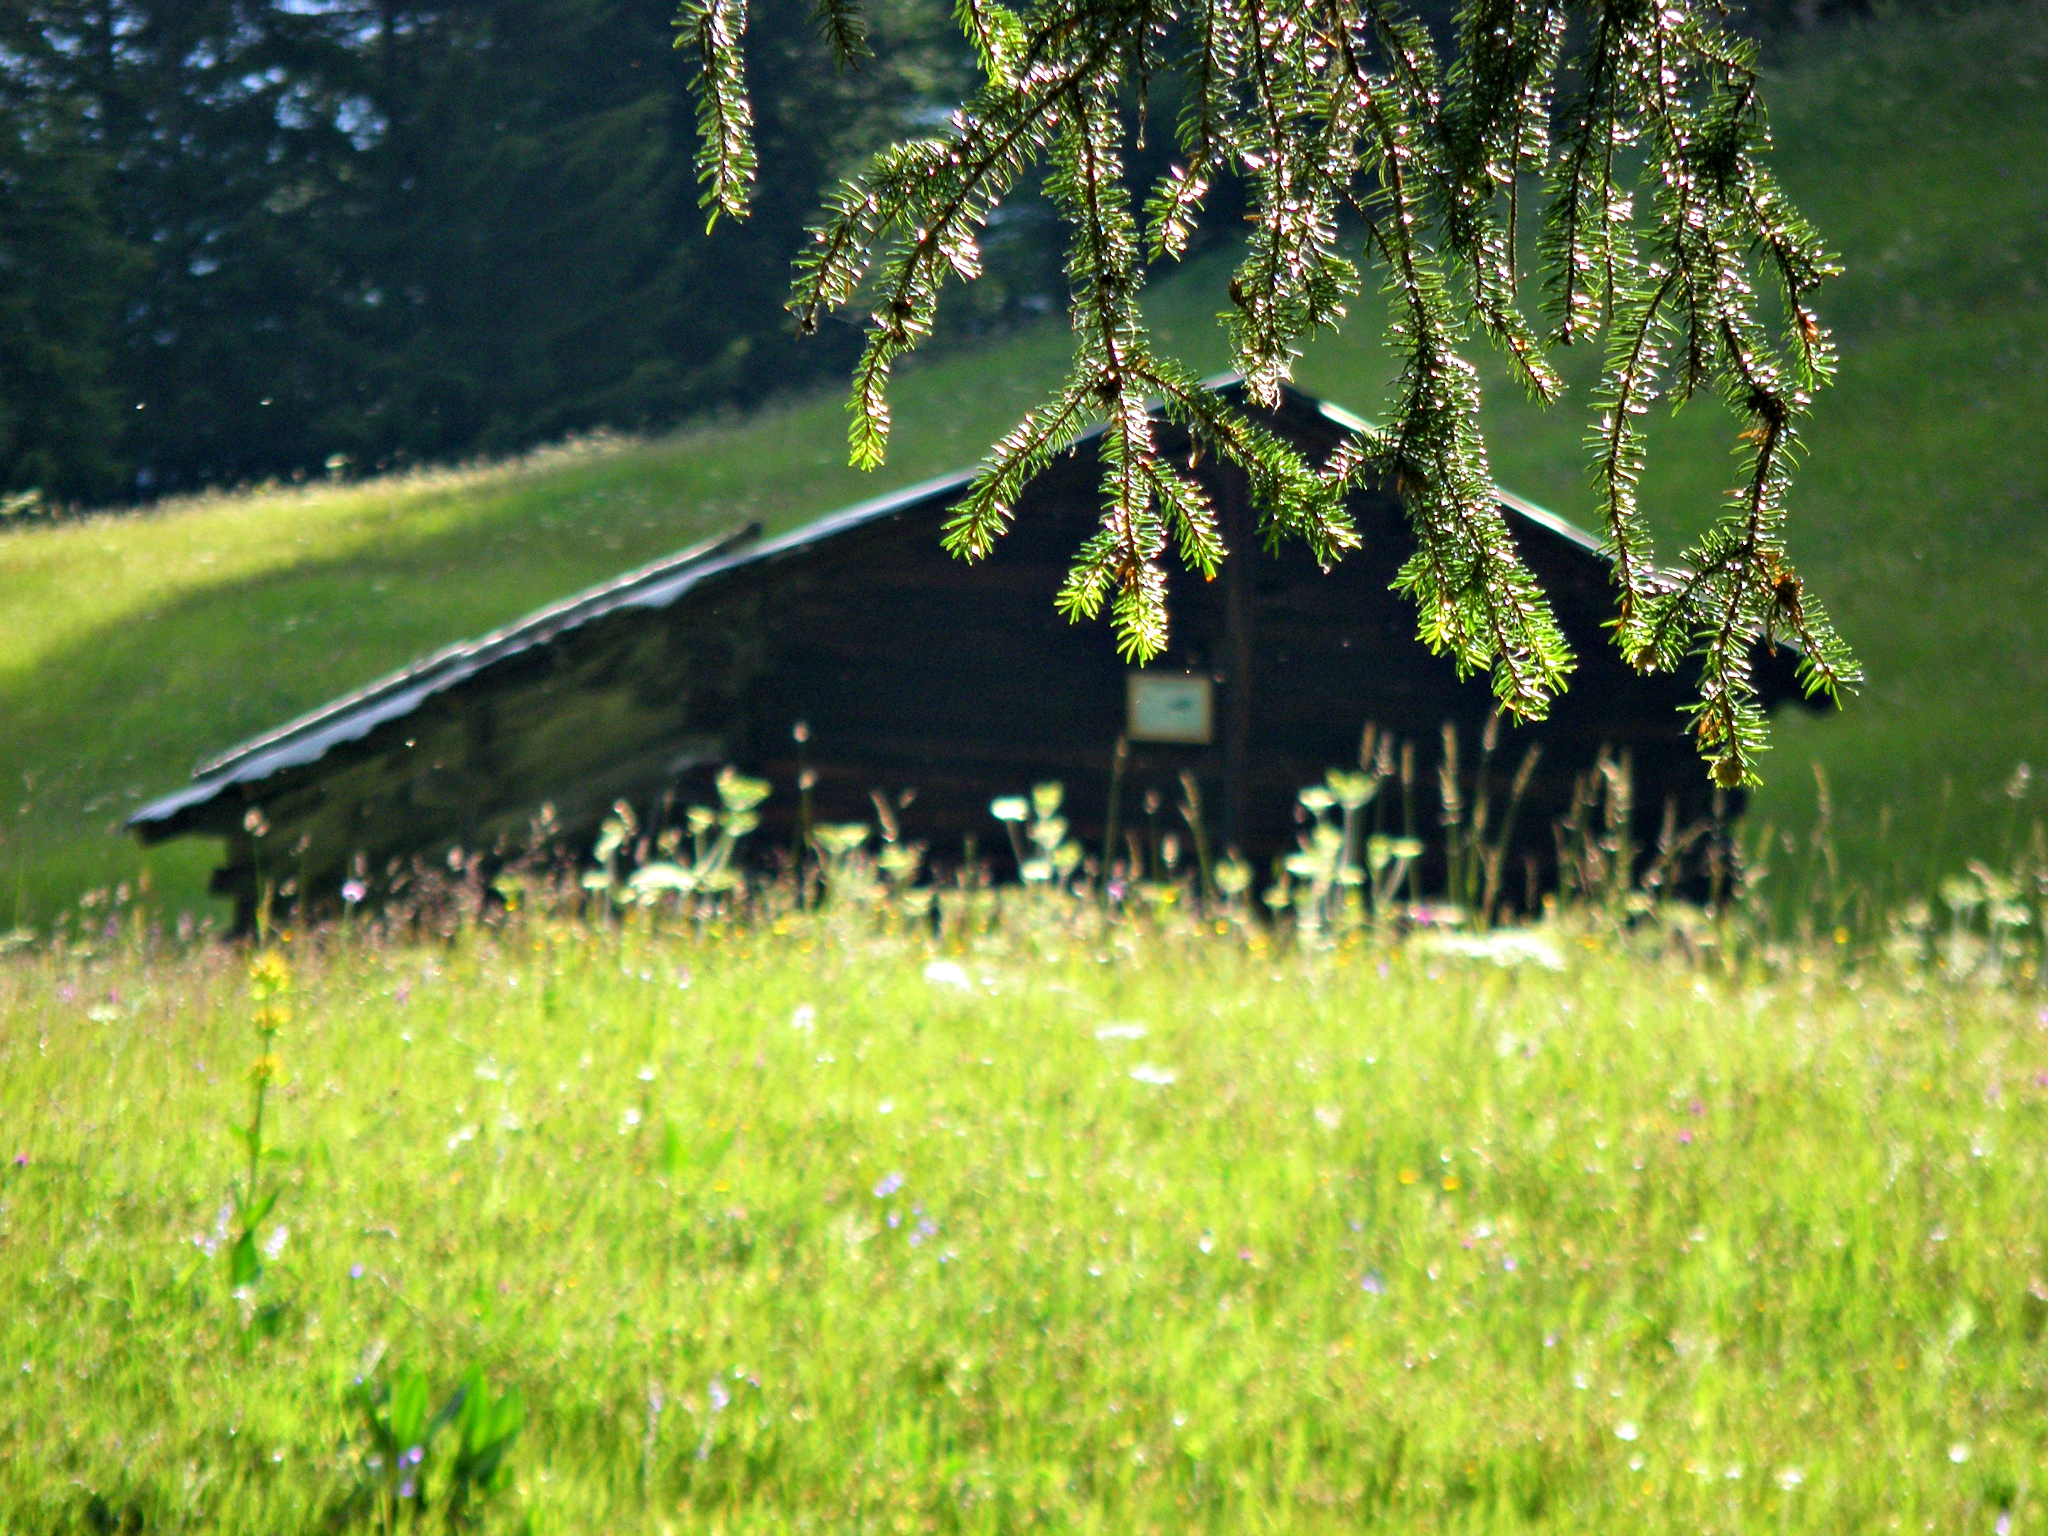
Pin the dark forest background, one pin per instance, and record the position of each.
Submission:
(243, 239)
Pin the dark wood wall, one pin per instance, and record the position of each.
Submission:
(916, 674)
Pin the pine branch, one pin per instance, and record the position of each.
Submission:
(991, 501)
(1496, 120)
(1293, 281)
(1585, 234)
(996, 33)
(1103, 271)
(1293, 500)
(725, 122)
(845, 29)
(1661, 224)
(1477, 600)
(1204, 130)
(1636, 350)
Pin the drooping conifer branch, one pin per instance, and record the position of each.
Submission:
(845, 30)
(1641, 123)
(725, 121)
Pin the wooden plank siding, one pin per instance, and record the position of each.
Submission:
(917, 673)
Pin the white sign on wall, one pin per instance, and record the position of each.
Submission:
(1166, 706)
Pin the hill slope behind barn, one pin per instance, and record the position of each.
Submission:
(944, 683)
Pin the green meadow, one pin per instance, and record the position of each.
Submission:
(998, 1211)
(132, 646)
(822, 1223)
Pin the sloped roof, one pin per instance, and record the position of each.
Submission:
(311, 736)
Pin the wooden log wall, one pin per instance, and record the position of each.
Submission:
(944, 685)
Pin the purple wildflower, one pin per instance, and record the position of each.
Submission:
(355, 1271)
(888, 1186)
(353, 891)
(719, 1396)
(21, 1159)
(1373, 1284)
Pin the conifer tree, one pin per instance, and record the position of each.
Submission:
(248, 238)
(1634, 130)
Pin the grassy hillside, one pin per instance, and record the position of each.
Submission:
(130, 648)
(807, 1229)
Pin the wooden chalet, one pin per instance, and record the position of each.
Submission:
(913, 671)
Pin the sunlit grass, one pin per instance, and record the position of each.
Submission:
(1104, 1233)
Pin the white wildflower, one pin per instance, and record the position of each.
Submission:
(1507, 947)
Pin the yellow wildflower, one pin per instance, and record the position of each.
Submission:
(269, 974)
